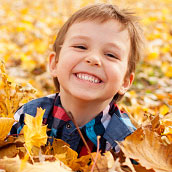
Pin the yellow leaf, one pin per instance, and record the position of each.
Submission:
(34, 132)
(167, 69)
(164, 109)
(40, 46)
(5, 127)
(63, 152)
(168, 73)
(152, 56)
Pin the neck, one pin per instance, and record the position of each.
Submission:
(82, 111)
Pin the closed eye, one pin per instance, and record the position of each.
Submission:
(111, 55)
(80, 47)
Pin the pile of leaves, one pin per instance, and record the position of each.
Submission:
(150, 145)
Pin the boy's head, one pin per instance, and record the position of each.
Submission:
(102, 13)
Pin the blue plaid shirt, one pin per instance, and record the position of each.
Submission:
(111, 124)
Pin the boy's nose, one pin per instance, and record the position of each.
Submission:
(93, 60)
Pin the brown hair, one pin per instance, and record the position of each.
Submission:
(102, 13)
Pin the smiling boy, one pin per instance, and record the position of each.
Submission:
(93, 64)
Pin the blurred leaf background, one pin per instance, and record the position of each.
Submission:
(28, 30)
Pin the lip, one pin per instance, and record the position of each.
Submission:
(91, 74)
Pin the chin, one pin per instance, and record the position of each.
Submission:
(84, 96)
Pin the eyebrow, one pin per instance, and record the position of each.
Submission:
(79, 37)
(116, 45)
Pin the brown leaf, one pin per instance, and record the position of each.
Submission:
(63, 152)
(104, 163)
(9, 151)
(146, 147)
(139, 168)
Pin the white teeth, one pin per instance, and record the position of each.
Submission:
(87, 77)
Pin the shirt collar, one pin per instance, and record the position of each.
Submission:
(59, 113)
(109, 119)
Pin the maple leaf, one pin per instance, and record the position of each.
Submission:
(34, 132)
(5, 126)
(63, 152)
(104, 163)
(146, 147)
(11, 94)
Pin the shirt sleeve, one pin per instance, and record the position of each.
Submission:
(19, 118)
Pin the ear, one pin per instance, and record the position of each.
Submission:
(126, 84)
(52, 64)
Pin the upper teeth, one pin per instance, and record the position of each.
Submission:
(88, 77)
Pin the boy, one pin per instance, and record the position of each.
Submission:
(93, 64)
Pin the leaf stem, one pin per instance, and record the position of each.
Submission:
(82, 137)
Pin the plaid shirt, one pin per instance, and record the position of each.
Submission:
(111, 124)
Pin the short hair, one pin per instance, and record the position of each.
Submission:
(103, 13)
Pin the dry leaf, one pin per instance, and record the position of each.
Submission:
(104, 163)
(146, 147)
(5, 127)
(63, 152)
(13, 165)
(47, 167)
(34, 132)
(10, 164)
(10, 151)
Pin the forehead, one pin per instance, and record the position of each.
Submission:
(109, 29)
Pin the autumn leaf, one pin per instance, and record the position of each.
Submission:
(8, 151)
(11, 94)
(5, 127)
(104, 163)
(13, 165)
(165, 127)
(34, 132)
(62, 151)
(147, 148)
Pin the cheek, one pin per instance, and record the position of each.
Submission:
(116, 75)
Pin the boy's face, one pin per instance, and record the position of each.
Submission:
(93, 61)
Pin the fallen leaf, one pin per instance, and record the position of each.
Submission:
(104, 163)
(63, 152)
(10, 151)
(5, 127)
(34, 132)
(147, 148)
(13, 165)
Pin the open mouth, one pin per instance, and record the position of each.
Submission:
(89, 78)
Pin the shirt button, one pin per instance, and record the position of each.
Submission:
(68, 126)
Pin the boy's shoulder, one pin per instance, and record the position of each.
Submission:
(119, 127)
(31, 107)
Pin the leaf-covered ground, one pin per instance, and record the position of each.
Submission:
(27, 31)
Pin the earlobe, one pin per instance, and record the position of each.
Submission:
(126, 84)
(52, 64)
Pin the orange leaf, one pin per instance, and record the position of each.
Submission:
(146, 146)
(5, 127)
